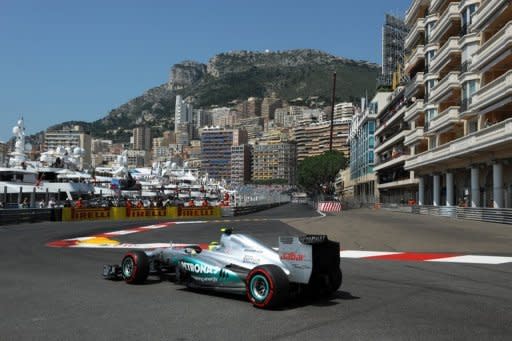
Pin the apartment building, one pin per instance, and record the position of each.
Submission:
(70, 137)
(461, 138)
(141, 138)
(361, 184)
(343, 110)
(274, 161)
(241, 156)
(216, 146)
(314, 139)
(4, 154)
(394, 183)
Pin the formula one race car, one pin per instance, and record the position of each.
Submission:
(241, 264)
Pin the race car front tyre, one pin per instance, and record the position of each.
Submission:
(135, 267)
(267, 286)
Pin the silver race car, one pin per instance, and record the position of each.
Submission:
(240, 264)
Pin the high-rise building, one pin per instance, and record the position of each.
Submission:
(362, 143)
(142, 138)
(241, 156)
(254, 106)
(3, 154)
(394, 31)
(314, 139)
(275, 161)
(70, 137)
(269, 106)
(344, 110)
(395, 184)
(183, 116)
(460, 109)
(216, 146)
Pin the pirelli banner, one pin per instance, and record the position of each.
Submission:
(71, 213)
(124, 213)
(194, 212)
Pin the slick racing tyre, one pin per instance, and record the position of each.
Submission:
(267, 286)
(135, 267)
(324, 285)
(335, 279)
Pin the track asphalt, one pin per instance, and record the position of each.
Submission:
(58, 293)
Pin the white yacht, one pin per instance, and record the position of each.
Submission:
(48, 178)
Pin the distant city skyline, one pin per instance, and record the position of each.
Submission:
(65, 61)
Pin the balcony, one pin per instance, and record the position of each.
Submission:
(443, 121)
(450, 15)
(414, 136)
(418, 55)
(434, 5)
(413, 11)
(391, 162)
(419, 27)
(391, 141)
(486, 12)
(482, 141)
(493, 95)
(414, 85)
(398, 183)
(390, 121)
(443, 55)
(414, 110)
(494, 50)
(444, 87)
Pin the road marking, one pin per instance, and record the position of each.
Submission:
(474, 259)
(102, 240)
(364, 254)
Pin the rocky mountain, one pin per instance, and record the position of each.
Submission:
(237, 76)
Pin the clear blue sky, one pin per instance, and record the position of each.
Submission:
(77, 60)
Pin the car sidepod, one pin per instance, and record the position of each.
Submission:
(202, 272)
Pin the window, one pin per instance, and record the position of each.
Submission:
(431, 114)
(371, 127)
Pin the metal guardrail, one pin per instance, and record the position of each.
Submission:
(492, 215)
(29, 215)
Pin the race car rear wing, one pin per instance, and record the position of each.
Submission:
(307, 255)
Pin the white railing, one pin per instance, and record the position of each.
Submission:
(391, 162)
(492, 48)
(485, 12)
(415, 57)
(492, 92)
(451, 80)
(411, 12)
(414, 84)
(419, 27)
(388, 123)
(398, 183)
(451, 13)
(444, 119)
(414, 136)
(492, 215)
(414, 110)
(451, 46)
(480, 140)
(391, 141)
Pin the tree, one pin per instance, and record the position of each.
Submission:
(317, 174)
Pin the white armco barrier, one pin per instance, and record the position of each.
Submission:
(329, 206)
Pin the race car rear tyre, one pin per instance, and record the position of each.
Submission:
(335, 279)
(267, 286)
(135, 267)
